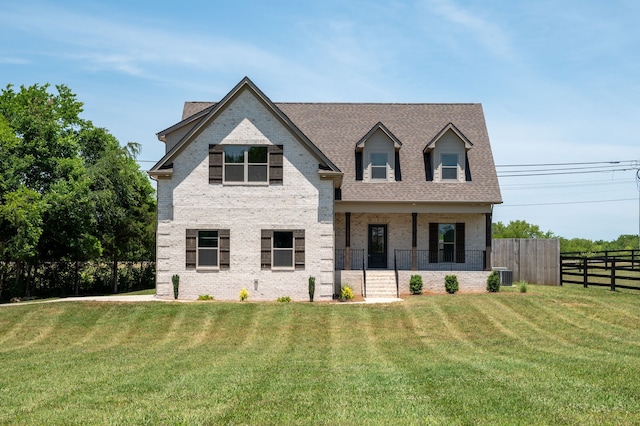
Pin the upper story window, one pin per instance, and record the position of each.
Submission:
(379, 166)
(449, 167)
(254, 164)
(245, 163)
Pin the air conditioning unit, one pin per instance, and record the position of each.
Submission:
(506, 276)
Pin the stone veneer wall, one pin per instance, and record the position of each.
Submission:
(188, 201)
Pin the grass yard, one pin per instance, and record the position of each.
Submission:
(555, 355)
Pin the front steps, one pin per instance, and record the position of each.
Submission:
(381, 284)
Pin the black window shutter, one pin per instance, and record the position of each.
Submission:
(265, 249)
(216, 152)
(460, 237)
(428, 166)
(397, 171)
(467, 169)
(337, 194)
(223, 237)
(358, 165)
(275, 164)
(192, 235)
(298, 237)
(433, 242)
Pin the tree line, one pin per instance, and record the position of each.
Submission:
(522, 229)
(68, 190)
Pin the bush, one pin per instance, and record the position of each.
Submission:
(346, 293)
(493, 282)
(415, 284)
(451, 284)
(244, 295)
(176, 285)
(522, 286)
(284, 299)
(312, 288)
(205, 297)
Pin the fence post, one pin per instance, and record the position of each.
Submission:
(613, 275)
(561, 271)
(585, 272)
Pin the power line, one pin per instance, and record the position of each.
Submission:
(564, 164)
(553, 173)
(566, 202)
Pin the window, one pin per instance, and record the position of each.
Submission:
(245, 163)
(282, 251)
(450, 166)
(446, 242)
(207, 249)
(378, 166)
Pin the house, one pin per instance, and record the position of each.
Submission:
(261, 195)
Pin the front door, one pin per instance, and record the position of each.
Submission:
(378, 246)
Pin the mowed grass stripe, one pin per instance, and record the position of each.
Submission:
(462, 359)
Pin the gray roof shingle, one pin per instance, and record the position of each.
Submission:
(335, 128)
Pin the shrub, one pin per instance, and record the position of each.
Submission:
(244, 295)
(312, 288)
(346, 293)
(284, 299)
(451, 284)
(176, 285)
(493, 282)
(522, 286)
(205, 297)
(415, 284)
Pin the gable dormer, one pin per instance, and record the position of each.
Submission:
(446, 158)
(378, 156)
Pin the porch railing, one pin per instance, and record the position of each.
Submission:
(469, 260)
(357, 259)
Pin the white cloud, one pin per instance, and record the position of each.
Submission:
(488, 33)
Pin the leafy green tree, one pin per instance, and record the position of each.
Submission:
(519, 229)
(68, 190)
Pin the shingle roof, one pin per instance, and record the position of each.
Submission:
(335, 128)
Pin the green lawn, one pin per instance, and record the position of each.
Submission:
(555, 355)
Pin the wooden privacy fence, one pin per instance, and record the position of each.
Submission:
(534, 260)
(613, 269)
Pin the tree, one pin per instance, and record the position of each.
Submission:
(68, 190)
(519, 229)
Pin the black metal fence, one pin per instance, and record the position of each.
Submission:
(613, 269)
(469, 260)
(357, 257)
(68, 278)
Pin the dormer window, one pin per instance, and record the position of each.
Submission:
(379, 166)
(446, 156)
(378, 156)
(449, 166)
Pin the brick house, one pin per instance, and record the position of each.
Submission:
(261, 195)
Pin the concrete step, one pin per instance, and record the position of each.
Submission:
(381, 284)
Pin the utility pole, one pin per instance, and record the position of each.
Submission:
(637, 166)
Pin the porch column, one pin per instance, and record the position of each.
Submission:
(347, 241)
(488, 243)
(414, 241)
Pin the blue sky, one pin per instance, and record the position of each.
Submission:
(558, 80)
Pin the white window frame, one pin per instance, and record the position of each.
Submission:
(378, 166)
(444, 167)
(246, 164)
(275, 249)
(215, 249)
